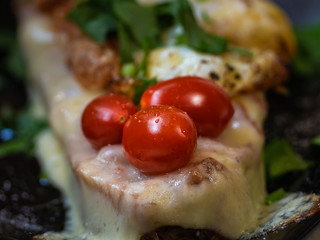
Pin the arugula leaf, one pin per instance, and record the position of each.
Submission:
(194, 36)
(307, 60)
(279, 159)
(275, 196)
(94, 18)
(140, 27)
(127, 46)
(140, 20)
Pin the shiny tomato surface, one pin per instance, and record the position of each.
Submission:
(103, 119)
(205, 102)
(159, 139)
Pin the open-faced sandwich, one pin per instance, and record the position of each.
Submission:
(156, 111)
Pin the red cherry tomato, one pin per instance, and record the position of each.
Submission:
(204, 101)
(159, 139)
(103, 119)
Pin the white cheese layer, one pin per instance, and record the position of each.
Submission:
(221, 188)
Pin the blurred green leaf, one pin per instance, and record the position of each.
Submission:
(279, 159)
(316, 141)
(141, 84)
(275, 196)
(307, 60)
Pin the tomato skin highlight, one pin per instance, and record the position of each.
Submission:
(159, 139)
(103, 119)
(204, 101)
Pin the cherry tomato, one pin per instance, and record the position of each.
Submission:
(159, 139)
(204, 101)
(103, 119)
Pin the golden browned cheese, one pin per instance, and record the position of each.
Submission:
(232, 71)
(248, 23)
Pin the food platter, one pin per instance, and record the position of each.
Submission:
(294, 117)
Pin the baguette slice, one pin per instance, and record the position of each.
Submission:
(221, 190)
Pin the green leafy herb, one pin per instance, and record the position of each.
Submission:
(307, 60)
(140, 20)
(94, 18)
(135, 25)
(127, 46)
(279, 159)
(140, 86)
(25, 126)
(275, 196)
(141, 81)
(316, 141)
(140, 27)
(194, 36)
(128, 70)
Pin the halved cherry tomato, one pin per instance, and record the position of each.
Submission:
(204, 101)
(159, 139)
(103, 119)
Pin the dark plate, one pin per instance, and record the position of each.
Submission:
(29, 206)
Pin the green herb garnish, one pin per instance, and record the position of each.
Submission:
(316, 141)
(307, 60)
(194, 36)
(139, 27)
(135, 25)
(275, 196)
(279, 159)
(94, 18)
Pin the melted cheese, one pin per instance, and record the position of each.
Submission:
(221, 188)
(231, 71)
